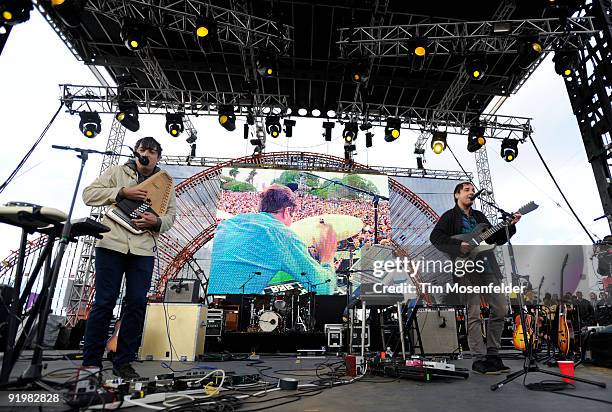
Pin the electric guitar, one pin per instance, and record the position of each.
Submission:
(564, 333)
(478, 237)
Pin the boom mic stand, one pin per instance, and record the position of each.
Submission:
(242, 296)
(530, 364)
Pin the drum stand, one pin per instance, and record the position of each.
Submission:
(42, 307)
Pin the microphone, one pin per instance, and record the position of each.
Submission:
(480, 192)
(144, 160)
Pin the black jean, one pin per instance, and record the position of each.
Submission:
(110, 267)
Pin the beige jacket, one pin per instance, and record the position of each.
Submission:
(103, 191)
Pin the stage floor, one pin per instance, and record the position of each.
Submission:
(384, 394)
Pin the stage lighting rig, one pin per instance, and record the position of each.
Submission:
(349, 151)
(14, 11)
(174, 124)
(368, 139)
(128, 116)
(509, 149)
(360, 74)
(438, 142)
(565, 62)
(289, 127)
(529, 49)
(350, 132)
(476, 138)
(327, 127)
(90, 124)
(227, 118)
(133, 34)
(476, 66)
(273, 127)
(69, 11)
(419, 48)
(205, 28)
(392, 129)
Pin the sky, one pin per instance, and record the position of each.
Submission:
(35, 61)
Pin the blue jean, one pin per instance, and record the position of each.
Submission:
(110, 267)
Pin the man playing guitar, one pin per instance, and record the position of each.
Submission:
(460, 220)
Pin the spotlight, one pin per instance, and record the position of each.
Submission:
(192, 137)
(349, 149)
(365, 126)
(15, 11)
(418, 48)
(69, 11)
(565, 62)
(509, 149)
(350, 132)
(205, 28)
(133, 35)
(265, 65)
(273, 126)
(289, 127)
(392, 129)
(529, 49)
(174, 124)
(438, 142)
(476, 138)
(128, 116)
(227, 118)
(359, 74)
(368, 138)
(328, 126)
(475, 66)
(90, 124)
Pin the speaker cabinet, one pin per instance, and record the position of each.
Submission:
(438, 329)
(184, 324)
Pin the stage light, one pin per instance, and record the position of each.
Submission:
(475, 66)
(359, 74)
(368, 139)
(476, 138)
(69, 11)
(509, 149)
(418, 48)
(289, 127)
(328, 126)
(438, 142)
(265, 65)
(15, 11)
(349, 149)
(273, 127)
(565, 62)
(205, 28)
(350, 132)
(133, 35)
(128, 116)
(331, 113)
(315, 112)
(302, 112)
(90, 124)
(174, 124)
(227, 118)
(529, 49)
(392, 129)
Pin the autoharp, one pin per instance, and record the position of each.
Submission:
(159, 189)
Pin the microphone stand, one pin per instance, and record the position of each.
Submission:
(242, 296)
(530, 364)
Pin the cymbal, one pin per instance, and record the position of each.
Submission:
(345, 226)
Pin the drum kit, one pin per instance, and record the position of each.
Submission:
(286, 307)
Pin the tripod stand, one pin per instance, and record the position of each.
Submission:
(530, 364)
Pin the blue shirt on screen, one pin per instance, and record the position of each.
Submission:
(258, 242)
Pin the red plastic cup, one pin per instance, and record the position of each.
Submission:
(566, 368)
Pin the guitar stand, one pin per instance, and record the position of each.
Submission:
(532, 365)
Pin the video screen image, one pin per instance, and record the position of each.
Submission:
(288, 230)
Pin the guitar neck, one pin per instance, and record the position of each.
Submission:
(489, 232)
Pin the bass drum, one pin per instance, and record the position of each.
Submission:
(269, 321)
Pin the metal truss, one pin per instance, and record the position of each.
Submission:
(81, 292)
(450, 37)
(104, 99)
(233, 27)
(452, 121)
(589, 94)
(307, 163)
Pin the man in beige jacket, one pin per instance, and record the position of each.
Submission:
(119, 252)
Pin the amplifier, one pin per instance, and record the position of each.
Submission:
(438, 328)
(184, 324)
(182, 291)
(214, 322)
